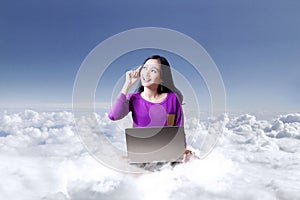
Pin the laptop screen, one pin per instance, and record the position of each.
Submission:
(155, 144)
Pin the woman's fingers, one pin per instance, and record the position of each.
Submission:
(130, 73)
(133, 75)
(136, 74)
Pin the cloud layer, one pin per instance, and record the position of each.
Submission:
(42, 158)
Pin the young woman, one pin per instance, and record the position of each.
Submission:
(156, 101)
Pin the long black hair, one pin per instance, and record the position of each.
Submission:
(167, 84)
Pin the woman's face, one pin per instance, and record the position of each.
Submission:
(150, 73)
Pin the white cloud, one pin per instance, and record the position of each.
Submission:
(42, 158)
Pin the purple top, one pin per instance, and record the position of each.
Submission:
(145, 113)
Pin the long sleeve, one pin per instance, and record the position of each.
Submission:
(179, 120)
(120, 108)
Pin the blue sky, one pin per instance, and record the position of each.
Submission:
(255, 44)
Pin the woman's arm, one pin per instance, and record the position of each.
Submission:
(120, 107)
(179, 119)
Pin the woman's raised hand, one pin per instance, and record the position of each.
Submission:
(131, 78)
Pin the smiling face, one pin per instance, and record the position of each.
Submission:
(150, 73)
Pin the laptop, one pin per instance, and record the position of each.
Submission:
(155, 144)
